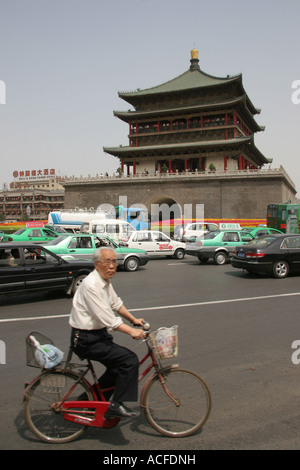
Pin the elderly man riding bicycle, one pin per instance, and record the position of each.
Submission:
(92, 317)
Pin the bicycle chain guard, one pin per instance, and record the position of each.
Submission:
(89, 413)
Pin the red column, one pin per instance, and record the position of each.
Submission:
(134, 168)
(225, 162)
(240, 162)
(234, 123)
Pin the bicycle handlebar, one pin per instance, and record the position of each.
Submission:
(146, 326)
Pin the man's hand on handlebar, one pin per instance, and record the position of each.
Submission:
(138, 322)
(138, 334)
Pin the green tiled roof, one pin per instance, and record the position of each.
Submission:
(129, 116)
(125, 149)
(198, 107)
(191, 79)
(170, 148)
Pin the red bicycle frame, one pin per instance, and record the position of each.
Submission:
(91, 412)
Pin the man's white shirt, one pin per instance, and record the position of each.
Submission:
(94, 305)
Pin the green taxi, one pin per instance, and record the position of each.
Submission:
(261, 231)
(33, 233)
(217, 245)
(83, 245)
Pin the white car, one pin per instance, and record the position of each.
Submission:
(194, 229)
(156, 244)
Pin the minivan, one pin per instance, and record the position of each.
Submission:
(115, 228)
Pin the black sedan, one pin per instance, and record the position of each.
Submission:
(277, 255)
(25, 266)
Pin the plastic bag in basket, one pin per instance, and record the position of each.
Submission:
(46, 355)
(166, 342)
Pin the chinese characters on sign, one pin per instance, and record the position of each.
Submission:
(34, 174)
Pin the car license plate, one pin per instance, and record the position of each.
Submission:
(241, 254)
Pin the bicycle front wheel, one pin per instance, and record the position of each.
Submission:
(176, 403)
(46, 421)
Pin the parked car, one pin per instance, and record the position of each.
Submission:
(25, 266)
(83, 245)
(156, 244)
(257, 232)
(33, 234)
(217, 245)
(194, 229)
(276, 255)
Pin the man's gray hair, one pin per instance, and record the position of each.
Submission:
(98, 253)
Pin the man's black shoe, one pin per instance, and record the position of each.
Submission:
(118, 410)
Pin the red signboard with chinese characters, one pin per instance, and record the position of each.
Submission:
(34, 224)
(46, 173)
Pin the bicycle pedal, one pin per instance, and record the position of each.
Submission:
(108, 416)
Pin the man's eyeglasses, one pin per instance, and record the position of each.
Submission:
(108, 262)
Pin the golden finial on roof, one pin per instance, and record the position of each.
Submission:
(194, 53)
(194, 60)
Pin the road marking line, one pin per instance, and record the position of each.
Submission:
(176, 264)
(162, 307)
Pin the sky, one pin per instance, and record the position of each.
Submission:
(63, 62)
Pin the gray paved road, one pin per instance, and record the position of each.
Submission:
(236, 330)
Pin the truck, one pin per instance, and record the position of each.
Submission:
(136, 216)
(71, 220)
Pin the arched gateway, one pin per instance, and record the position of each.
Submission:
(164, 208)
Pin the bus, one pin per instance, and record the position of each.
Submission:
(284, 217)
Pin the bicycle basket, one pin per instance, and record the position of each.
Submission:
(165, 342)
(41, 352)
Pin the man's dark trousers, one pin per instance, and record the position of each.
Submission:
(122, 364)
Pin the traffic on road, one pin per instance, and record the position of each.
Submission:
(45, 264)
(235, 328)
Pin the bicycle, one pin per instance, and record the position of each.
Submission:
(176, 402)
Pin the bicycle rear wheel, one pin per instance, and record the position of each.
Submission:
(45, 422)
(180, 405)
